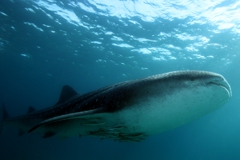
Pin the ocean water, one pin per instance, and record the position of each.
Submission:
(45, 44)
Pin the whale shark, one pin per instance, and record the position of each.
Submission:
(128, 111)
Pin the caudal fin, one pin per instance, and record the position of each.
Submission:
(5, 116)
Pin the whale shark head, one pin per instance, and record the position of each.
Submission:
(169, 100)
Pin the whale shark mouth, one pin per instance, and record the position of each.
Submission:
(224, 85)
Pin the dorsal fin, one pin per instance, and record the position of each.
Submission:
(66, 93)
(31, 109)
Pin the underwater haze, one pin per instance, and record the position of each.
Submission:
(45, 44)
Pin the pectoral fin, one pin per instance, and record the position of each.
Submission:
(65, 117)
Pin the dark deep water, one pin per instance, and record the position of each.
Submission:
(45, 44)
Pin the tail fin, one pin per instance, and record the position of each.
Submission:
(5, 116)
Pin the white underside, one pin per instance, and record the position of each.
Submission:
(158, 114)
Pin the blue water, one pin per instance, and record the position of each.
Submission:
(45, 44)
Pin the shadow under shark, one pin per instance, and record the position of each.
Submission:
(128, 111)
